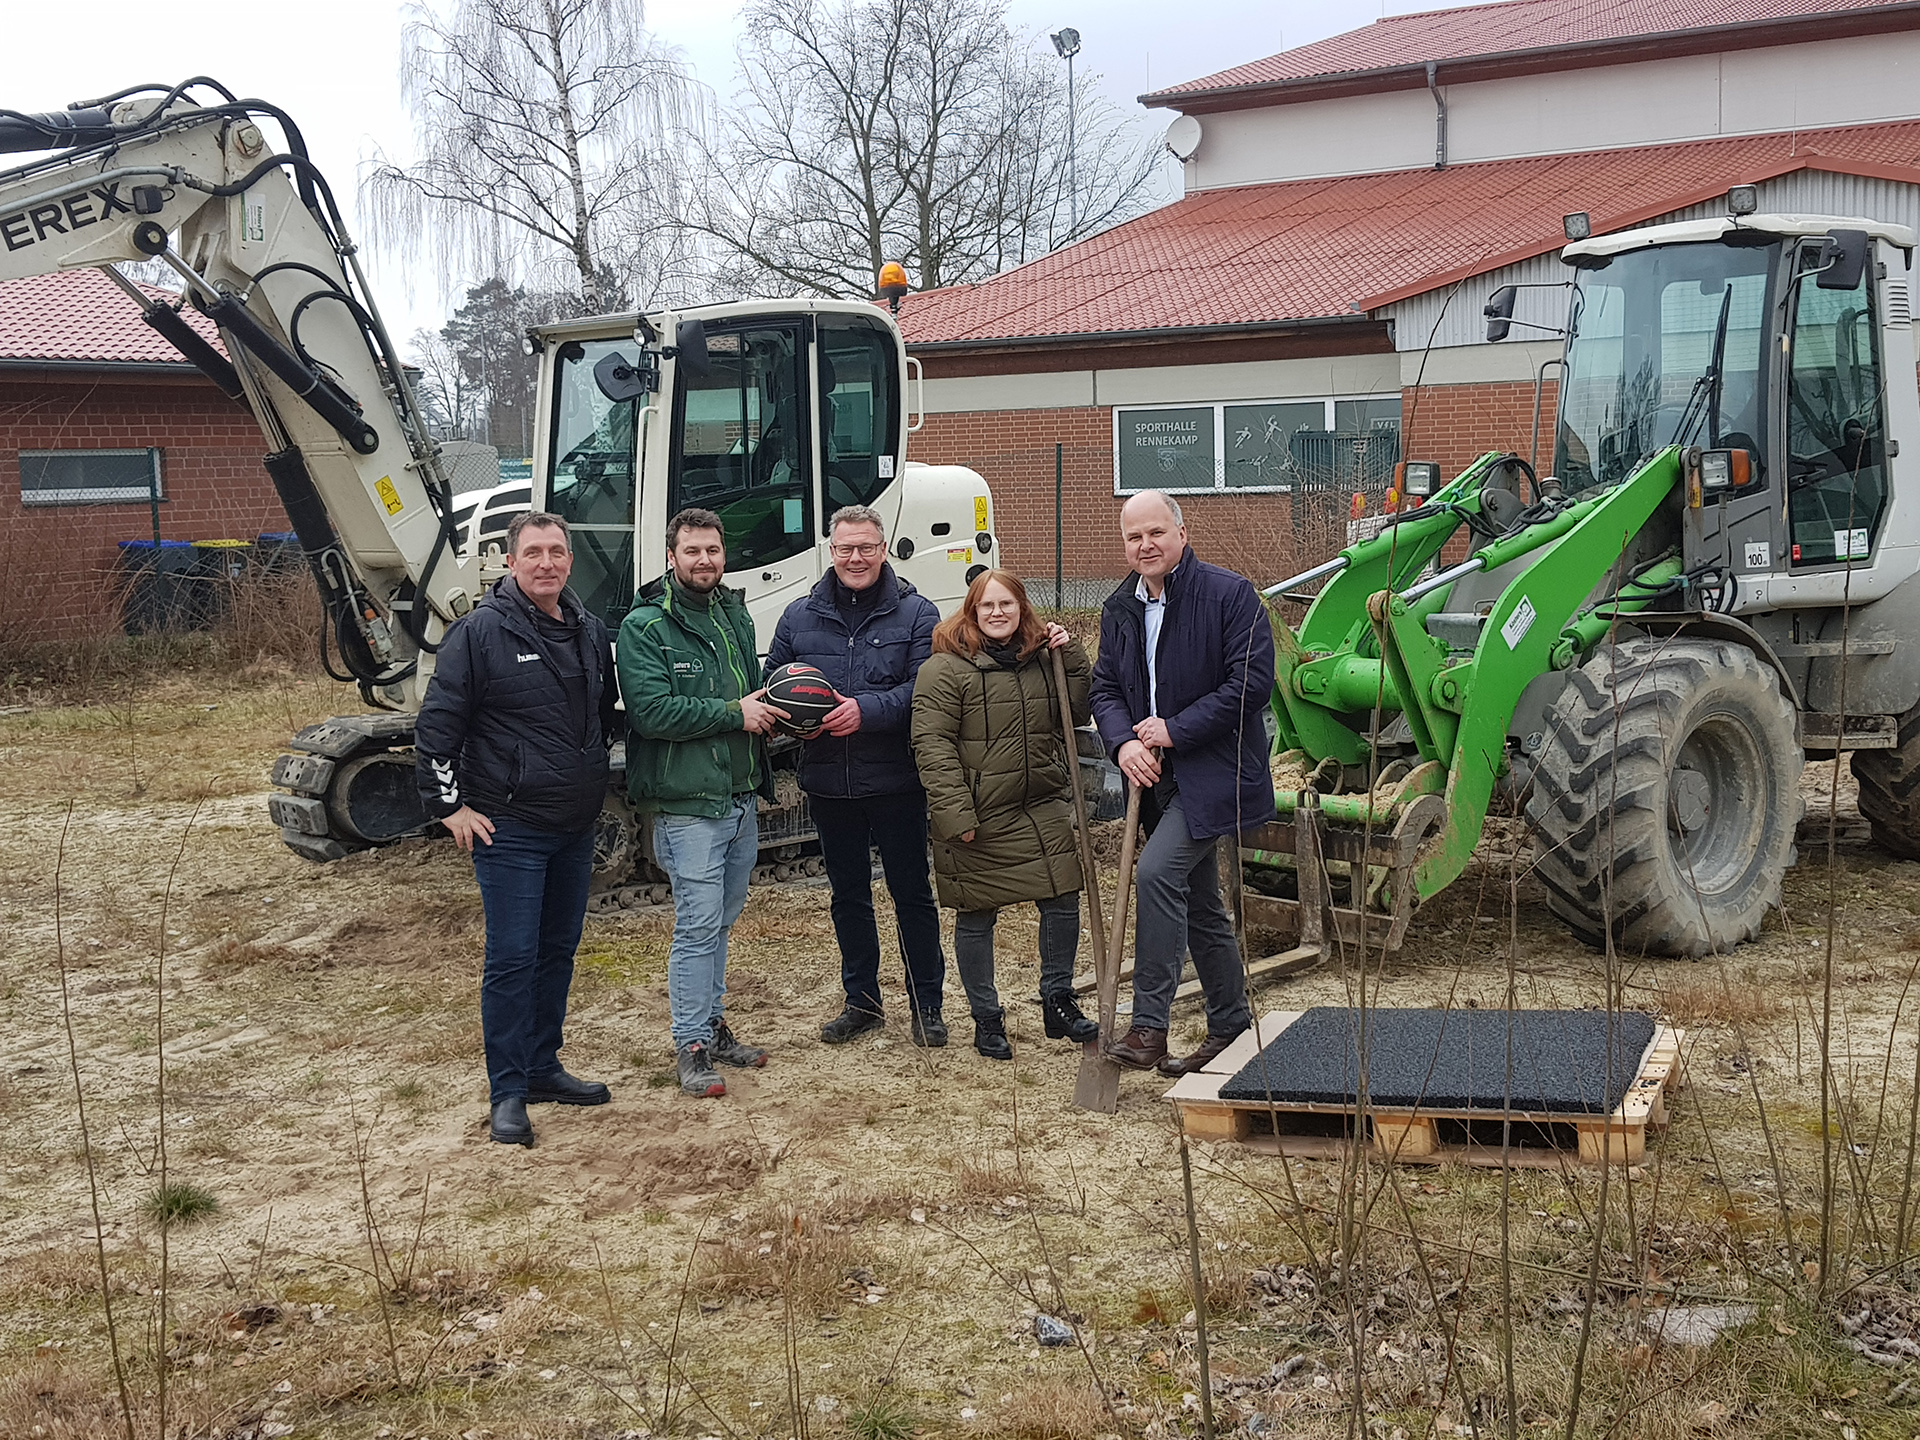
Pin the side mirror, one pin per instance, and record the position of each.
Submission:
(1499, 312)
(618, 378)
(690, 346)
(1843, 258)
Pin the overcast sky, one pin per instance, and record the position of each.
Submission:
(334, 66)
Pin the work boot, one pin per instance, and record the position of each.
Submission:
(509, 1124)
(560, 1088)
(728, 1049)
(697, 1075)
(1139, 1049)
(929, 1030)
(990, 1038)
(850, 1022)
(1209, 1051)
(1064, 1020)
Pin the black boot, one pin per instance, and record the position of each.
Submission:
(509, 1124)
(1064, 1020)
(990, 1038)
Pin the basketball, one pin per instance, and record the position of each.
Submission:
(803, 692)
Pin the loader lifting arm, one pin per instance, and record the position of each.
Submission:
(256, 238)
(1449, 657)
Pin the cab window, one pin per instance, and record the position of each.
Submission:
(591, 485)
(1836, 427)
(742, 443)
(859, 416)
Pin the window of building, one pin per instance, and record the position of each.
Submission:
(89, 477)
(1258, 445)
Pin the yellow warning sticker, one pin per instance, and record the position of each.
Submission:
(389, 496)
(979, 512)
(960, 557)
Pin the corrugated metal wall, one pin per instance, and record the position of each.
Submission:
(1452, 316)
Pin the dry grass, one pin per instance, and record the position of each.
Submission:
(1700, 996)
(814, 1263)
(1054, 1409)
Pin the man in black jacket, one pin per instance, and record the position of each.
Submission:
(1180, 694)
(512, 758)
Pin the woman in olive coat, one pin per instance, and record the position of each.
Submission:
(986, 736)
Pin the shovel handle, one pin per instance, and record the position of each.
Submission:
(1096, 912)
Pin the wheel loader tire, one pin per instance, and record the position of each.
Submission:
(1666, 797)
(1890, 790)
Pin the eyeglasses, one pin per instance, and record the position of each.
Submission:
(865, 552)
(998, 607)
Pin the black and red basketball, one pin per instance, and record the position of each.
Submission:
(803, 692)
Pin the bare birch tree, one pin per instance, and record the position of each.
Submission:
(549, 136)
(923, 131)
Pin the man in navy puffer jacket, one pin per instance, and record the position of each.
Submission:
(511, 754)
(869, 631)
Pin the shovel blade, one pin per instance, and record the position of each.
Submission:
(1097, 1086)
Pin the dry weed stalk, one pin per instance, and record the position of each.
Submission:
(80, 1108)
(161, 1362)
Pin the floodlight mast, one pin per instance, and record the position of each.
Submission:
(1066, 41)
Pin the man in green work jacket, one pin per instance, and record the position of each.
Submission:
(695, 762)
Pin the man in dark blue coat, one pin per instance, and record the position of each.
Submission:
(511, 752)
(869, 631)
(1180, 694)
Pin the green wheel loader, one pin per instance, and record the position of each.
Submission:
(1716, 582)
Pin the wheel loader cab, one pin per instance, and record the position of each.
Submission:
(1765, 344)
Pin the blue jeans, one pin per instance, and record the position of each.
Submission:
(709, 862)
(533, 886)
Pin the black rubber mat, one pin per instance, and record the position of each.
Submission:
(1451, 1060)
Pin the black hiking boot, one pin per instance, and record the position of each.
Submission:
(850, 1022)
(1064, 1020)
(990, 1038)
(698, 1078)
(929, 1030)
(728, 1049)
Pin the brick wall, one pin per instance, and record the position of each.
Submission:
(1456, 424)
(1264, 536)
(57, 562)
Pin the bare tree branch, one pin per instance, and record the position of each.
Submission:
(549, 135)
(923, 131)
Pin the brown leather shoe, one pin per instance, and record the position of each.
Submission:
(1209, 1050)
(1139, 1049)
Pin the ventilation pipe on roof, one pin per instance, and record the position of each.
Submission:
(1439, 117)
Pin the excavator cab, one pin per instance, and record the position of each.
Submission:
(773, 416)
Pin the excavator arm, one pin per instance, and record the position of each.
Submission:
(257, 241)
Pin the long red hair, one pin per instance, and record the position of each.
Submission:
(959, 634)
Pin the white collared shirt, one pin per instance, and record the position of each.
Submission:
(1156, 616)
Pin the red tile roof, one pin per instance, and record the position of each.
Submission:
(1482, 32)
(1305, 250)
(81, 315)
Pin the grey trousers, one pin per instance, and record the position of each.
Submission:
(1177, 892)
(973, 951)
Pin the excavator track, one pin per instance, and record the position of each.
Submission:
(348, 785)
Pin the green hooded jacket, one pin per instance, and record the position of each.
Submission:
(682, 672)
(991, 755)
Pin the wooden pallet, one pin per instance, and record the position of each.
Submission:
(1423, 1136)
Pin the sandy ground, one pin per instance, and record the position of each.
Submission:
(857, 1240)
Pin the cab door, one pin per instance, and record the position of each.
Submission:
(745, 447)
(1836, 451)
